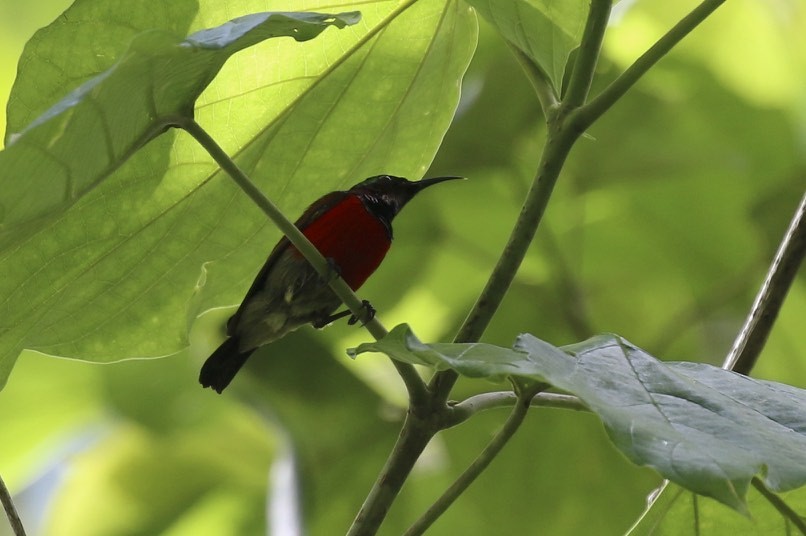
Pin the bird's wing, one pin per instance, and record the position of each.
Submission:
(311, 214)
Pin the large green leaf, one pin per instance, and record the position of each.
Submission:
(123, 271)
(705, 428)
(84, 137)
(547, 31)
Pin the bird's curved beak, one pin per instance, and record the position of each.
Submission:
(425, 183)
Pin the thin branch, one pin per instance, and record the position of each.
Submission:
(470, 474)
(779, 504)
(590, 112)
(11, 512)
(770, 298)
(588, 54)
(554, 155)
(413, 439)
(505, 399)
(558, 144)
(408, 373)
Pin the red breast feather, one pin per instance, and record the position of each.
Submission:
(355, 239)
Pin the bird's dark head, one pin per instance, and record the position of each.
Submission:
(386, 195)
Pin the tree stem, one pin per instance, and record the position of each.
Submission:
(790, 515)
(11, 511)
(413, 439)
(590, 112)
(588, 56)
(470, 474)
(559, 142)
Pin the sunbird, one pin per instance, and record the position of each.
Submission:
(352, 229)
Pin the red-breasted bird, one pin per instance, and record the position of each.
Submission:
(353, 230)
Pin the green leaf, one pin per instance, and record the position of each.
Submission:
(125, 270)
(677, 511)
(84, 137)
(705, 428)
(547, 31)
(477, 360)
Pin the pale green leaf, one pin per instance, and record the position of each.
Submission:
(84, 137)
(547, 31)
(124, 271)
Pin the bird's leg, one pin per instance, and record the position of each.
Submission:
(370, 314)
(333, 272)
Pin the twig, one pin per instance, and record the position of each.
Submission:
(414, 384)
(504, 399)
(11, 512)
(413, 439)
(590, 112)
(470, 474)
(770, 298)
(783, 508)
(588, 55)
(750, 340)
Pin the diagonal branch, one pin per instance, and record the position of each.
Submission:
(11, 512)
(558, 144)
(779, 504)
(414, 437)
(589, 48)
(481, 462)
(590, 112)
(770, 298)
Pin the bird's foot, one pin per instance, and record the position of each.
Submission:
(369, 315)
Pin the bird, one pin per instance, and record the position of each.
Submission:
(352, 229)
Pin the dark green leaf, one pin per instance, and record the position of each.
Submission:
(707, 429)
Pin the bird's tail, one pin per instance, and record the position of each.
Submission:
(219, 369)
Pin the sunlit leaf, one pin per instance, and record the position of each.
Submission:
(83, 138)
(124, 271)
(547, 31)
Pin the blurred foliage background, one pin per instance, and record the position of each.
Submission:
(661, 230)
